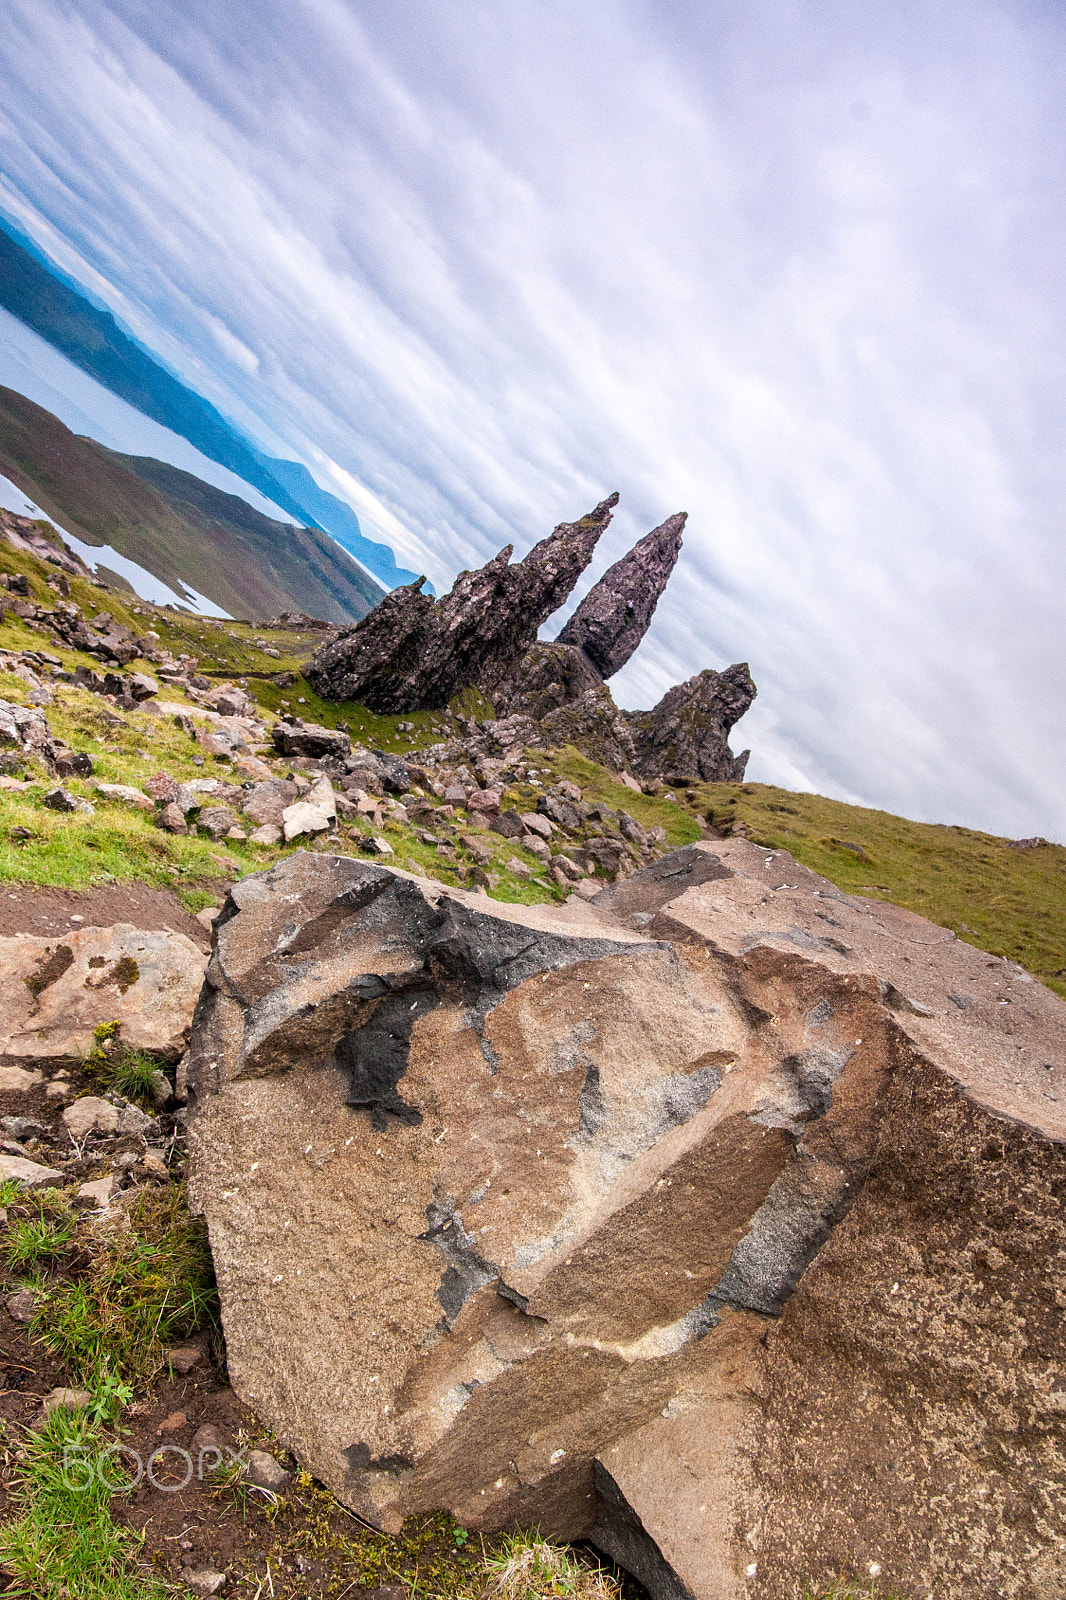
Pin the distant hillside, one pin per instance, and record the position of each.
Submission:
(180, 528)
(92, 339)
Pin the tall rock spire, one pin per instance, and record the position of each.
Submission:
(412, 652)
(614, 616)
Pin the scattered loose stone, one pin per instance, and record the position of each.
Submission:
(62, 800)
(90, 1114)
(30, 1174)
(22, 1305)
(183, 1358)
(99, 1192)
(65, 1400)
(54, 992)
(265, 1472)
(204, 1580)
(16, 1080)
(126, 793)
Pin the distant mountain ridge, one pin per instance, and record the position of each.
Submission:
(181, 529)
(91, 338)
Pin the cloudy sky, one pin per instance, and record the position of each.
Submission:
(794, 266)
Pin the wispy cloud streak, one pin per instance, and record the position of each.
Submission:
(793, 267)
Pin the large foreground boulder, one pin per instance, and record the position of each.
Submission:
(718, 1221)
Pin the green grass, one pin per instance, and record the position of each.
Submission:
(847, 1589)
(527, 1567)
(62, 1542)
(142, 1290)
(130, 1073)
(35, 1242)
(1011, 903)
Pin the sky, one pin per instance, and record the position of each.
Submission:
(793, 266)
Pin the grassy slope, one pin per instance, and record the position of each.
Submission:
(1007, 901)
(177, 526)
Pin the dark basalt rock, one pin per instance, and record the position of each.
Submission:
(614, 616)
(687, 734)
(412, 653)
(550, 676)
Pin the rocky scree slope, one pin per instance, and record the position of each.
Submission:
(717, 1221)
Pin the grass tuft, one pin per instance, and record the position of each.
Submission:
(143, 1289)
(62, 1541)
(527, 1567)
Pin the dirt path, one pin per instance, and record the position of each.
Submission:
(25, 909)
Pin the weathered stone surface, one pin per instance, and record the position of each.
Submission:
(550, 676)
(412, 652)
(596, 726)
(700, 1220)
(90, 1114)
(16, 1080)
(687, 734)
(615, 615)
(63, 800)
(267, 801)
(315, 813)
(293, 738)
(54, 992)
(127, 794)
(30, 1174)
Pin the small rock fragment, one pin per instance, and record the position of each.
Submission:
(99, 1192)
(62, 800)
(65, 1400)
(90, 1114)
(22, 1305)
(30, 1174)
(265, 1472)
(126, 793)
(183, 1358)
(204, 1580)
(15, 1080)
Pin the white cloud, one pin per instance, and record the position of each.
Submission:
(794, 268)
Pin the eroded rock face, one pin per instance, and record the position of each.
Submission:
(687, 734)
(54, 992)
(718, 1220)
(412, 652)
(615, 615)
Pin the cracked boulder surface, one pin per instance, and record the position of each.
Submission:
(412, 652)
(702, 1220)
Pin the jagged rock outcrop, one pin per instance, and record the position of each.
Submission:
(686, 736)
(412, 652)
(550, 676)
(615, 615)
(718, 1221)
